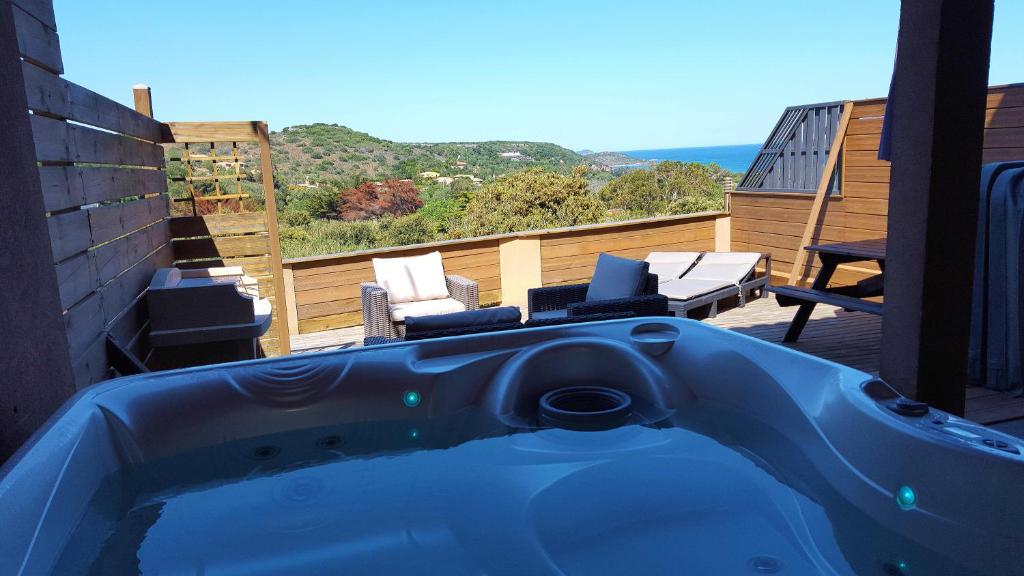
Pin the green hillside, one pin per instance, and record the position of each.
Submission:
(329, 151)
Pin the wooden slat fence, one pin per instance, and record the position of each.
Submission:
(774, 222)
(104, 191)
(794, 155)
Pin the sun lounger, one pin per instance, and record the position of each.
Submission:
(716, 276)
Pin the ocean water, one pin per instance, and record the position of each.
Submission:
(736, 158)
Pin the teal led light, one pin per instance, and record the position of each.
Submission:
(411, 398)
(903, 566)
(414, 434)
(906, 498)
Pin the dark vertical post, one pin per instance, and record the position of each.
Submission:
(35, 370)
(940, 85)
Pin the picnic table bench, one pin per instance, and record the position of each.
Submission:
(846, 297)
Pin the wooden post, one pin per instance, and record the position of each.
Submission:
(519, 264)
(143, 100)
(289, 300)
(801, 263)
(34, 358)
(938, 114)
(270, 200)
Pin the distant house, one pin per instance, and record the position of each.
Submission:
(460, 164)
(510, 154)
(445, 180)
(471, 178)
(429, 174)
(305, 184)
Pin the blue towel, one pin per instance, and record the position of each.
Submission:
(997, 333)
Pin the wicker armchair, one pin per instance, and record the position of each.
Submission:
(377, 320)
(573, 299)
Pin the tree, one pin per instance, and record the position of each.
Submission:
(668, 188)
(317, 202)
(373, 200)
(529, 200)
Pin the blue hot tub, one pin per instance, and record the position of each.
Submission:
(624, 447)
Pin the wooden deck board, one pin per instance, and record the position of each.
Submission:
(850, 338)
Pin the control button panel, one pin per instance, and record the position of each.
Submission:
(933, 421)
(907, 407)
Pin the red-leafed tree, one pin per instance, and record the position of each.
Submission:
(376, 199)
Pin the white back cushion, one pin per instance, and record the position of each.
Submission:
(411, 279)
(670, 265)
(731, 258)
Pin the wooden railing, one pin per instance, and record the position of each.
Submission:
(323, 291)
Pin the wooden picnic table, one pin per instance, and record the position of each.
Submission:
(847, 297)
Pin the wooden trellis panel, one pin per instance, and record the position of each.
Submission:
(230, 236)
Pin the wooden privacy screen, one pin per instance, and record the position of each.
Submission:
(235, 237)
(100, 166)
(766, 222)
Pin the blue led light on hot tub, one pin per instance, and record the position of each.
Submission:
(906, 498)
(411, 398)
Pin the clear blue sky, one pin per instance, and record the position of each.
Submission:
(595, 74)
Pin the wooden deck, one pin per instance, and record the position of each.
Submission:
(850, 338)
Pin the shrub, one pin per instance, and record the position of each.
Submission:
(529, 200)
(316, 202)
(372, 200)
(295, 218)
(405, 230)
(668, 188)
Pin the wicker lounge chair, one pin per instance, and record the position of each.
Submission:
(413, 286)
(716, 276)
(619, 285)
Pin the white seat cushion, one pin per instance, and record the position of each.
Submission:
(411, 279)
(425, 308)
(687, 288)
(670, 265)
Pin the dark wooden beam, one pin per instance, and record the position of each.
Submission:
(938, 125)
(35, 370)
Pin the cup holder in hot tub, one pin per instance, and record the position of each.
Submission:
(585, 408)
(654, 338)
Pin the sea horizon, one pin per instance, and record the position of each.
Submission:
(733, 157)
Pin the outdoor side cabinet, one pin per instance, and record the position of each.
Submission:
(217, 310)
